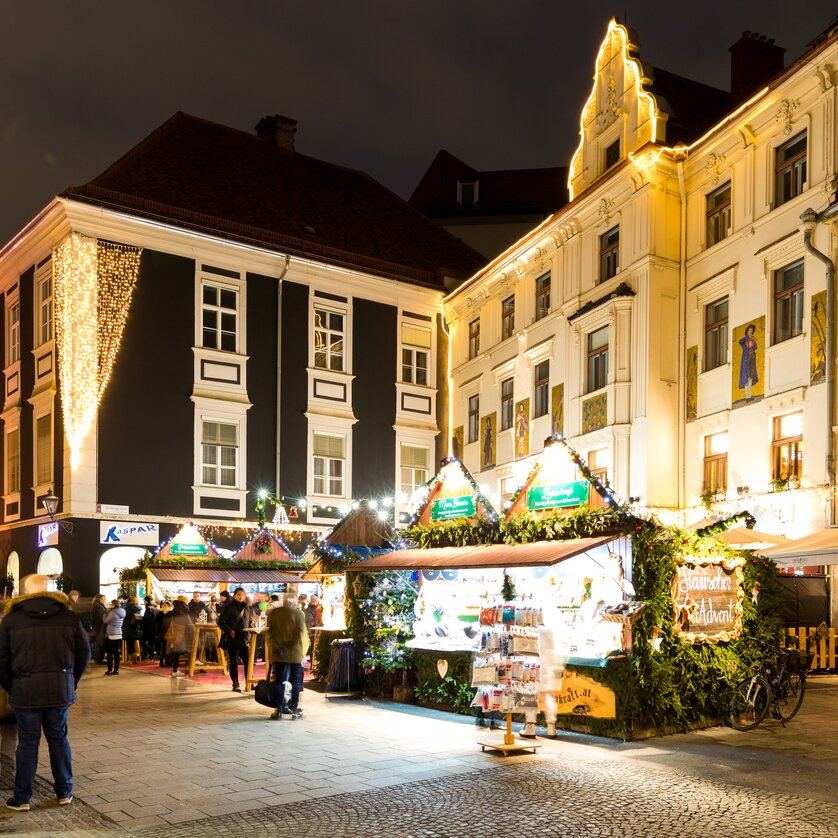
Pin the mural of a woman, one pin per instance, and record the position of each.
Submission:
(748, 375)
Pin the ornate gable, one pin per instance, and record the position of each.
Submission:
(620, 110)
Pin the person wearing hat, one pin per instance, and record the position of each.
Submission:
(44, 651)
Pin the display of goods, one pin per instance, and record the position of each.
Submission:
(624, 612)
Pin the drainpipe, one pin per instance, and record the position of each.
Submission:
(279, 367)
(682, 339)
(810, 220)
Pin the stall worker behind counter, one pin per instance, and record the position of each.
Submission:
(196, 606)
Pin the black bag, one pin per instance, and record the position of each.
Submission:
(264, 692)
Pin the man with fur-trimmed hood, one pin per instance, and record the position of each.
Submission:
(43, 653)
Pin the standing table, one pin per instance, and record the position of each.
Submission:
(204, 632)
(249, 680)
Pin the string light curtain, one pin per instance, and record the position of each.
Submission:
(93, 283)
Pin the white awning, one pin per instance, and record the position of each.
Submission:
(819, 548)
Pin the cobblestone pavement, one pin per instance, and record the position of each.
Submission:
(154, 754)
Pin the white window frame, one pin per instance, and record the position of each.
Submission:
(204, 275)
(40, 485)
(414, 350)
(218, 311)
(12, 331)
(329, 306)
(326, 477)
(415, 483)
(11, 424)
(44, 307)
(328, 426)
(218, 465)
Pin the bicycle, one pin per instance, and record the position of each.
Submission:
(780, 680)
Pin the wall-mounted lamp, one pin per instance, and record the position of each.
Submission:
(50, 503)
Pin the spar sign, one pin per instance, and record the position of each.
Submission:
(120, 532)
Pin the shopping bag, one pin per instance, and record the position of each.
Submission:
(264, 692)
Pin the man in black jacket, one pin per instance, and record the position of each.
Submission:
(43, 653)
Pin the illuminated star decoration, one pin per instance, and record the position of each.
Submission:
(93, 283)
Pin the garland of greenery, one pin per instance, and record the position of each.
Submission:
(454, 690)
(724, 525)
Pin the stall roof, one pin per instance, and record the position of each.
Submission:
(491, 555)
(746, 539)
(222, 574)
(819, 548)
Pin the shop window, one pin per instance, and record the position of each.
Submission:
(416, 350)
(612, 154)
(790, 169)
(787, 450)
(414, 468)
(474, 338)
(718, 215)
(542, 296)
(508, 318)
(715, 463)
(788, 302)
(542, 389)
(43, 450)
(329, 339)
(50, 562)
(609, 254)
(13, 569)
(219, 317)
(473, 418)
(13, 333)
(329, 465)
(43, 306)
(598, 462)
(13, 462)
(597, 376)
(715, 334)
(219, 454)
(112, 562)
(507, 406)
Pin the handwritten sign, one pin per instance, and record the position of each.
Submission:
(707, 599)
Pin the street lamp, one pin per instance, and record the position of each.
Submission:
(50, 503)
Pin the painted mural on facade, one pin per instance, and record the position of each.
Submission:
(594, 413)
(817, 352)
(692, 383)
(748, 367)
(522, 429)
(457, 442)
(557, 410)
(488, 431)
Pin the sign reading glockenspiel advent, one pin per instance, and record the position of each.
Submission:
(707, 597)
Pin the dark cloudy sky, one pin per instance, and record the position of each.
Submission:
(379, 85)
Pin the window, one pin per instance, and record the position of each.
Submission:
(44, 308)
(473, 418)
(715, 335)
(507, 407)
(13, 333)
(718, 215)
(507, 318)
(715, 463)
(788, 302)
(609, 254)
(328, 465)
(597, 359)
(414, 468)
(790, 169)
(13, 462)
(416, 349)
(43, 449)
(598, 462)
(467, 192)
(612, 154)
(219, 454)
(787, 449)
(219, 313)
(474, 339)
(542, 296)
(329, 339)
(542, 389)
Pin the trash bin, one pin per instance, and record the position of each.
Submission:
(343, 674)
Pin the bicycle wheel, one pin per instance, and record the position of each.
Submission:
(790, 695)
(749, 703)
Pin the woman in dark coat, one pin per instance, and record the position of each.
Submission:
(178, 629)
(97, 627)
(132, 629)
(160, 625)
(233, 620)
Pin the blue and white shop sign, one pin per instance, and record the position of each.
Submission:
(122, 532)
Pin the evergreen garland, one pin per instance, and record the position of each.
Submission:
(507, 591)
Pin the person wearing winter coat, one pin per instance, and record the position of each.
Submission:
(233, 620)
(132, 629)
(288, 639)
(178, 630)
(160, 630)
(149, 624)
(97, 627)
(44, 651)
(113, 621)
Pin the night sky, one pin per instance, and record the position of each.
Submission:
(379, 86)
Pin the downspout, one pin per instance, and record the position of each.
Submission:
(810, 220)
(682, 339)
(279, 368)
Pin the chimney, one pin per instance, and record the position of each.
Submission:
(278, 130)
(754, 59)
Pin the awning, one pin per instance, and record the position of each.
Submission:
(819, 548)
(745, 539)
(536, 554)
(223, 574)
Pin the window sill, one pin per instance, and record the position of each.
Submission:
(797, 340)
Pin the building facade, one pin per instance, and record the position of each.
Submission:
(214, 315)
(669, 321)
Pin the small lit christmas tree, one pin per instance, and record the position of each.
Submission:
(507, 592)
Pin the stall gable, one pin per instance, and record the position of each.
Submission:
(453, 495)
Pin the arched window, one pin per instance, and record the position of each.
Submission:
(13, 568)
(50, 563)
(114, 560)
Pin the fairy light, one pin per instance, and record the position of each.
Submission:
(93, 283)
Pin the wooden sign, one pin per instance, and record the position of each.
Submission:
(707, 599)
(580, 696)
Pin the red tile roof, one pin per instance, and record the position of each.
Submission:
(203, 176)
